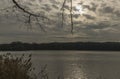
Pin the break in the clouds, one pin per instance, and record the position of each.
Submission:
(94, 20)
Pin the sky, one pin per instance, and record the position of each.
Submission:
(94, 20)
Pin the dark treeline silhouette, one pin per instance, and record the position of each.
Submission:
(19, 46)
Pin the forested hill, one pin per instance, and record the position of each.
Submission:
(19, 46)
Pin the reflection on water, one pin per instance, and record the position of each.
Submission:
(77, 64)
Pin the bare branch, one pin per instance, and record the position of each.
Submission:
(71, 14)
(30, 14)
(40, 24)
(63, 12)
(63, 5)
(25, 11)
(18, 6)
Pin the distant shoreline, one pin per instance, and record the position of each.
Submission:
(83, 46)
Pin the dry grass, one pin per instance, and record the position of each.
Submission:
(12, 67)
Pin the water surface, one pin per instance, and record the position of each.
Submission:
(76, 64)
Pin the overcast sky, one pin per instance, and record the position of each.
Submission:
(94, 20)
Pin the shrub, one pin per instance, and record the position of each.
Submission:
(12, 67)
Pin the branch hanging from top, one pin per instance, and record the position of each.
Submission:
(30, 15)
(63, 12)
(71, 14)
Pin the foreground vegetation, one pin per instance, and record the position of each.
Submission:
(12, 67)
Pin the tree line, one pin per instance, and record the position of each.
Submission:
(19, 46)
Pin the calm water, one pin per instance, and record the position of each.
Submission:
(77, 64)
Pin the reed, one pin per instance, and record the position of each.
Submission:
(12, 67)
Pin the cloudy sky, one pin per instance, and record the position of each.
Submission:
(94, 20)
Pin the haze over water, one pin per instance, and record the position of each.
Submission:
(76, 64)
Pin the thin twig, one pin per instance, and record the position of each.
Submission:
(71, 10)
(63, 9)
(40, 24)
(30, 14)
(71, 14)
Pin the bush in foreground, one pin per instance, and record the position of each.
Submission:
(12, 67)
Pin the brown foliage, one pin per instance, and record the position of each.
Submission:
(15, 67)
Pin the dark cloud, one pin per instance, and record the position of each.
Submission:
(97, 25)
(54, 2)
(76, 16)
(91, 8)
(55, 6)
(88, 16)
(103, 5)
(46, 7)
(117, 13)
(107, 9)
(77, 22)
(74, 8)
(94, 6)
(66, 7)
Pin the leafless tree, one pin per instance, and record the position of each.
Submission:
(29, 15)
(71, 14)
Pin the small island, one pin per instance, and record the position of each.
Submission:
(87, 46)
